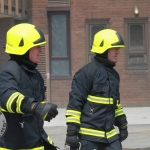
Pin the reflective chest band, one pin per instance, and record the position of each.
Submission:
(100, 100)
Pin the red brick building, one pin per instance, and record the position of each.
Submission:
(69, 26)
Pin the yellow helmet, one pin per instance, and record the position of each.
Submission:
(106, 39)
(20, 38)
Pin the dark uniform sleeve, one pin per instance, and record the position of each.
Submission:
(10, 99)
(81, 85)
(120, 117)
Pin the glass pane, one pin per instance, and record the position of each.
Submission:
(93, 30)
(60, 67)
(59, 37)
(136, 37)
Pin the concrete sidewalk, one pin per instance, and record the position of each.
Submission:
(135, 116)
(138, 128)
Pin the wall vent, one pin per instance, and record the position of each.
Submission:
(58, 3)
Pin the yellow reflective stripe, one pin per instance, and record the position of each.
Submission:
(73, 113)
(73, 119)
(92, 132)
(18, 104)
(100, 100)
(118, 112)
(1, 109)
(118, 104)
(10, 101)
(37, 148)
(50, 140)
(97, 133)
(111, 133)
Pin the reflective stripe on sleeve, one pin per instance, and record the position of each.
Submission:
(73, 113)
(18, 103)
(119, 112)
(73, 119)
(10, 101)
(50, 140)
(73, 116)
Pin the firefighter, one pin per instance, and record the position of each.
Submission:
(94, 108)
(22, 91)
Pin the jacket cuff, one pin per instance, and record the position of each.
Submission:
(26, 105)
(73, 129)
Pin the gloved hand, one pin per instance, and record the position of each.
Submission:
(72, 135)
(72, 140)
(45, 111)
(123, 132)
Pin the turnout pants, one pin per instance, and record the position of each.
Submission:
(90, 145)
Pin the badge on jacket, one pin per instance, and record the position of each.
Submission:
(3, 125)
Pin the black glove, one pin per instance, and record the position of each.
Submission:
(72, 136)
(72, 140)
(123, 132)
(45, 111)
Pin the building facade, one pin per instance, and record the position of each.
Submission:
(69, 27)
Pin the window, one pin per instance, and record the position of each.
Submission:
(136, 43)
(92, 27)
(59, 44)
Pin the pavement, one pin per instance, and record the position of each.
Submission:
(138, 128)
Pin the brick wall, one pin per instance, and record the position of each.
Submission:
(5, 24)
(38, 14)
(135, 84)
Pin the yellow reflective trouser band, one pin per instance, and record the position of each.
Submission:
(37, 148)
(92, 132)
(73, 116)
(50, 141)
(111, 133)
(10, 101)
(100, 100)
(118, 112)
(97, 133)
(18, 103)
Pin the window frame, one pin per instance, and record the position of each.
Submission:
(68, 56)
(90, 22)
(128, 53)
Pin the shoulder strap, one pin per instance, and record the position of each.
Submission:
(12, 67)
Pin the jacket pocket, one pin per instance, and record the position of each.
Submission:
(100, 89)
